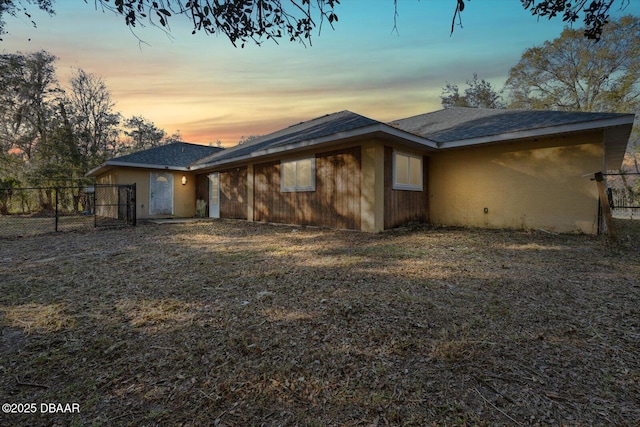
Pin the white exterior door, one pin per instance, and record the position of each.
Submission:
(214, 195)
(161, 193)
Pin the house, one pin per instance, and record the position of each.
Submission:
(165, 185)
(460, 166)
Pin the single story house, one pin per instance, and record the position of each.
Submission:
(165, 186)
(459, 166)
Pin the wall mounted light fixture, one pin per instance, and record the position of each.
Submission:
(184, 179)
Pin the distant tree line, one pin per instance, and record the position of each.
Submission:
(52, 136)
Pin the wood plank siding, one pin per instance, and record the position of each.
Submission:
(335, 202)
(233, 193)
(402, 206)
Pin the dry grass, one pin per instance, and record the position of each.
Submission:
(12, 226)
(231, 323)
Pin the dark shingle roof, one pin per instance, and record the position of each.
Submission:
(456, 124)
(454, 127)
(176, 154)
(310, 130)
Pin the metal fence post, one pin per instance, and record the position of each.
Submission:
(56, 189)
(133, 205)
(95, 210)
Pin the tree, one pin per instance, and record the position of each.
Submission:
(479, 94)
(52, 138)
(13, 7)
(255, 20)
(57, 160)
(244, 20)
(27, 86)
(574, 73)
(174, 137)
(6, 192)
(28, 90)
(595, 14)
(143, 133)
(91, 116)
(248, 139)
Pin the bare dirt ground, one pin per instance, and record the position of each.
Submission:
(232, 323)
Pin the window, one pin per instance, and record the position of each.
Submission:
(298, 175)
(407, 172)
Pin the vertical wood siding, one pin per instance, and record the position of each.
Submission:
(335, 203)
(402, 206)
(233, 193)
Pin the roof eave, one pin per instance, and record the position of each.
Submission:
(615, 146)
(98, 170)
(110, 164)
(378, 128)
(540, 132)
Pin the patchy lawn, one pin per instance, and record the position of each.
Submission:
(234, 323)
(25, 225)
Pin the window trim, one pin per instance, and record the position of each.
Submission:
(296, 187)
(408, 187)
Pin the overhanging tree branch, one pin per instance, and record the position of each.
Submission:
(258, 20)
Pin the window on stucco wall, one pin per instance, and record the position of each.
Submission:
(407, 171)
(298, 175)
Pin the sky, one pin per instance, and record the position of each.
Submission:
(210, 91)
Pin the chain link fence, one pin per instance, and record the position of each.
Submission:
(623, 191)
(115, 205)
(28, 211)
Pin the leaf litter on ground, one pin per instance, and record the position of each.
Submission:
(234, 323)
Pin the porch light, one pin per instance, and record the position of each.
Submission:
(184, 180)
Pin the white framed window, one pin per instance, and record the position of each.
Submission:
(298, 175)
(407, 171)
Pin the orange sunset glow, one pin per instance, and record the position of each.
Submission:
(210, 91)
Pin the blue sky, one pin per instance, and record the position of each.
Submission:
(208, 90)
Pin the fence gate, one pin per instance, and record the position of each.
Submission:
(114, 205)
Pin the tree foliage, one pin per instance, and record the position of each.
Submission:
(595, 13)
(257, 20)
(239, 20)
(574, 73)
(243, 20)
(19, 7)
(6, 192)
(49, 136)
(28, 86)
(478, 94)
(143, 133)
(95, 123)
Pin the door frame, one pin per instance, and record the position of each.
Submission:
(214, 195)
(153, 177)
